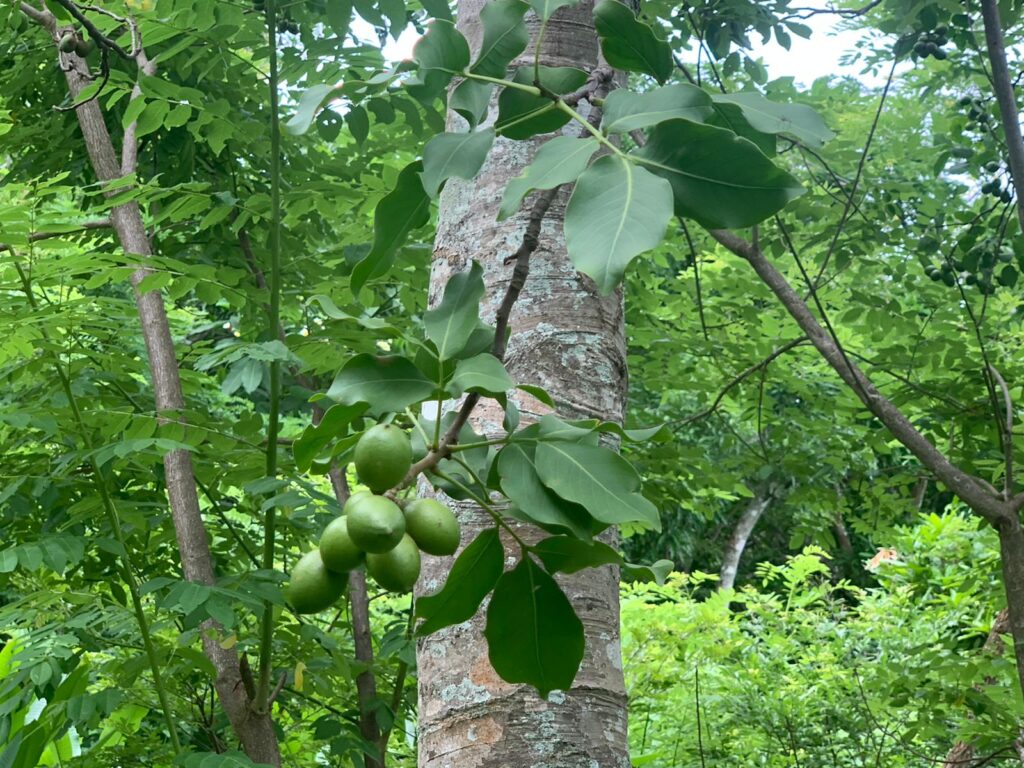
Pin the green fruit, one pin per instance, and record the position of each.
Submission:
(432, 526)
(397, 569)
(67, 42)
(83, 47)
(337, 550)
(383, 456)
(939, 54)
(312, 587)
(375, 524)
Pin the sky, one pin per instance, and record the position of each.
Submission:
(806, 61)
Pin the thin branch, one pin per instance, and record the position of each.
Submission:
(101, 40)
(966, 486)
(40, 17)
(1007, 431)
(85, 226)
(846, 13)
(739, 378)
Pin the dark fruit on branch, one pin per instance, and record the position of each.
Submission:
(68, 41)
(312, 587)
(382, 457)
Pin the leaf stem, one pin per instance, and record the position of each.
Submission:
(485, 505)
(563, 107)
(274, 320)
(532, 90)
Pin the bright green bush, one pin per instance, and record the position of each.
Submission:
(801, 671)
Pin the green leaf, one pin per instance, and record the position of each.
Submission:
(521, 115)
(309, 104)
(473, 574)
(598, 479)
(359, 123)
(617, 211)
(630, 44)
(386, 384)
(797, 121)
(314, 439)
(657, 571)
(558, 161)
(533, 634)
(441, 53)
(505, 37)
(730, 116)
(454, 154)
(225, 760)
(402, 210)
(470, 99)
(717, 179)
(453, 321)
(545, 9)
(521, 483)
(567, 554)
(626, 111)
(483, 373)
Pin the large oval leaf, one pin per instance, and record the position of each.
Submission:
(441, 53)
(475, 572)
(451, 323)
(797, 121)
(505, 36)
(521, 483)
(454, 154)
(558, 161)
(617, 211)
(386, 384)
(533, 634)
(626, 111)
(717, 178)
(630, 44)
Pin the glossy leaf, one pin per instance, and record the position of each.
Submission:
(454, 154)
(385, 383)
(484, 374)
(521, 483)
(505, 36)
(717, 179)
(630, 44)
(452, 322)
(796, 121)
(470, 99)
(567, 554)
(626, 111)
(403, 210)
(441, 54)
(730, 116)
(657, 571)
(558, 161)
(598, 479)
(617, 211)
(473, 575)
(521, 115)
(533, 633)
(314, 439)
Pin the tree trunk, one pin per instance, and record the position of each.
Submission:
(568, 339)
(254, 731)
(740, 534)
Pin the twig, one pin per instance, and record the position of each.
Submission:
(1007, 431)
(738, 379)
(86, 226)
(101, 40)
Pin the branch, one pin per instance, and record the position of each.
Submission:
(40, 17)
(964, 485)
(1007, 431)
(738, 379)
(1008, 113)
(101, 40)
(83, 227)
(366, 683)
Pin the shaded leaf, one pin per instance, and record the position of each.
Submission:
(483, 373)
(522, 115)
(797, 121)
(626, 111)
(505, 36)
(473, 575)
(452, 322)
(567, 554)
(454, 154)
(630, 44)
(521, 483)
(309, 104)
(386, 384)
(558, 161)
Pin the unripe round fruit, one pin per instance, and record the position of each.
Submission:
(67, 42)
(312, 587)
(83, 47)
(432, 526)
(337, 550)
(382, 457)
(374, 524)
(397, 569)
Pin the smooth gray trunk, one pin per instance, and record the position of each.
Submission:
(571, 341)
(740, 535)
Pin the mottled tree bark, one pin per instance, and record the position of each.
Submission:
(740, 534)
(568, 339)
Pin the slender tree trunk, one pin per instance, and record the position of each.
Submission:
(740, 534)
(571, 341)
(254, 731)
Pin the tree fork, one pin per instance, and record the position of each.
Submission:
(254, 731)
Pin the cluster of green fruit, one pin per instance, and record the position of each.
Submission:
(977, 110)
(930, 43)
(72, 43)
(373, 531)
